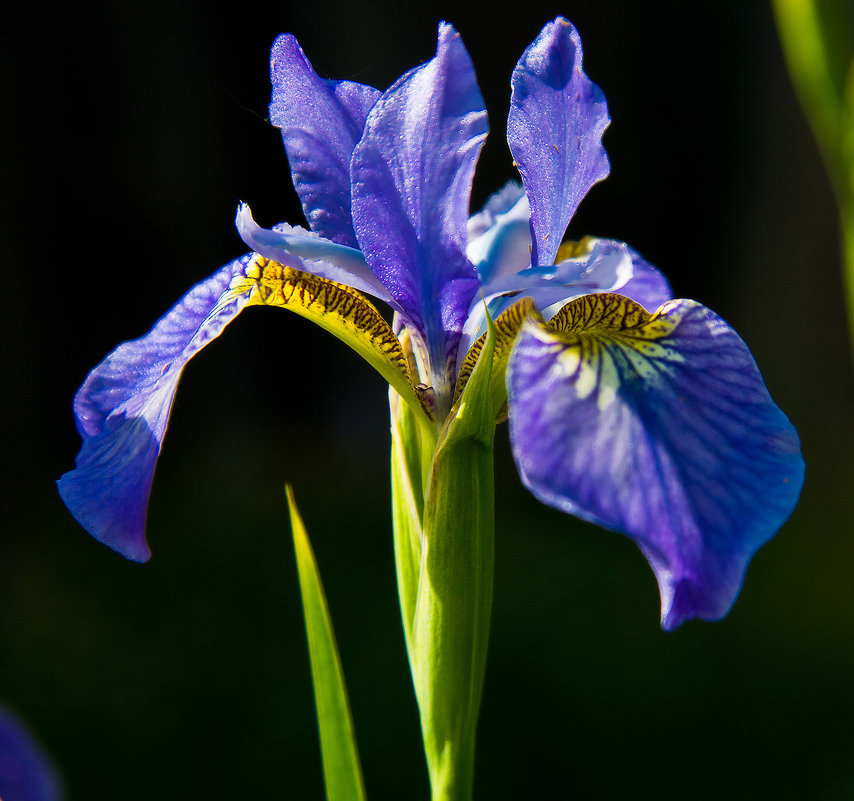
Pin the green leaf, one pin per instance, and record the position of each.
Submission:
(342, 773)
(818, 42)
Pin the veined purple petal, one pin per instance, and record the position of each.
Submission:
(557, 118)
(411, 176)
(321, 122)
(122, 411)
(660, 427)
(26, 772)
(304, 250)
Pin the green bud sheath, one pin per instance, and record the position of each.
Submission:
(445, 526)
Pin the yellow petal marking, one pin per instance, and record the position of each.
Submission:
(573, 249)
(507, 326)
(607, 339)
(339, 309)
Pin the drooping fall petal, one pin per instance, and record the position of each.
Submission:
(122, 411)
(661, 427)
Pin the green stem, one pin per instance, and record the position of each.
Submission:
(443, 499)
(453, 612)
(407, 505)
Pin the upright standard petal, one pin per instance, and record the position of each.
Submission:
(123, 408)
(321, 122)
(661, 427)
(411, 176)
(26, 772)
(557, 118)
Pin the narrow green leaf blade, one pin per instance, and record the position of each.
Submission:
(342, 773)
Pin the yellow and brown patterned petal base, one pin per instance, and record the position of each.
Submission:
(339, 309)
(507, 326)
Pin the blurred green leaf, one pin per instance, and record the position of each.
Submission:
(342, 772)
(818, 42)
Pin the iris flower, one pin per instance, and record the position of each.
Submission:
(639, 412)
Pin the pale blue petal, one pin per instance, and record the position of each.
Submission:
(304, 250)
(607, 266)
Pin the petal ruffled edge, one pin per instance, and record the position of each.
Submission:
(658, 426)
(122, 411)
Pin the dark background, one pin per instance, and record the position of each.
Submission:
(130, 133)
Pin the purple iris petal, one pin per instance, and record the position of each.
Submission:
(647, 285)
(557, 118)
(26, 773)
(668, 435)
(411, 176)
(122, 411)
(321, 122)
(609, 266)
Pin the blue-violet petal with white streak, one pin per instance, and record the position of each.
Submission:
(661, 427)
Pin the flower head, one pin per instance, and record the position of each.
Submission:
(644, 414)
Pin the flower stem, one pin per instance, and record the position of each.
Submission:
(452, 614)
(443, 514)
